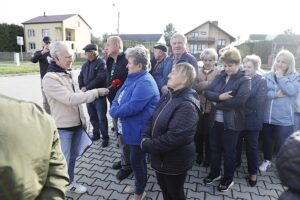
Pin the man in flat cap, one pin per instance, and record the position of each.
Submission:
(42, 57)
(160, 53)
(94, 75)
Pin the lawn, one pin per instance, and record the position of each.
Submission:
(9, 67)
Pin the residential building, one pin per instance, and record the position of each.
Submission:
(71, 28)
(207, 35)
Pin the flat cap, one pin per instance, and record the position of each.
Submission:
(90, 47)
(162, 47)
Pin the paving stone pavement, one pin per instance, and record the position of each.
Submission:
(93, 170)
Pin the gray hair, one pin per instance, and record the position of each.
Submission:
(209, 52)
(254, 59)
(187, 71)
(57, 47)
(176, 35)
(290, 59)
(140, 55)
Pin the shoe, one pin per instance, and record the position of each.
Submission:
(251, 182)
(122, 174)
(225, 184)
(199, 159)
(77, 188)
(104, 143)
(139, 196)
(206, 163)
(112, 128)
(95, 138)
(129, 189)
(265, 165)
(117, 165)
(210, 179)
(237, 165)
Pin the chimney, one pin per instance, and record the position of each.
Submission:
(44, 14)
(215, 23)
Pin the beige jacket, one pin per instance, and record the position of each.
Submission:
(64, 101)
(204, 80)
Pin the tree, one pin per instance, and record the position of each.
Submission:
(168, 32)
(100, 41)
(8, 37)
(288, 31)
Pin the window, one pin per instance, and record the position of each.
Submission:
(45, 32)
(195, 34)
(222, 42)
(78, 24)
(201, 47)
(31, 46)
(203, 33)
(69, 36)
(30, 33)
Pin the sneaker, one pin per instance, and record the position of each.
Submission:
(77, 188)
(225, 184)
(122, 174)
(264, 166)
(95, 137)
(104, 143)
(210, 179)
(129, 189)
(117, 165)
(139, 196)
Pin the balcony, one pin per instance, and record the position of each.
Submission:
(201, 39)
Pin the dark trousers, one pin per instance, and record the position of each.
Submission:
(271, 132)
(226, 140)
(202, 137)
(139, 168)
(97, 111)
(125, 152)
(251, 140)
(172, 186)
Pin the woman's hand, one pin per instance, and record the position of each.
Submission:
(102, 91)
(225, 96)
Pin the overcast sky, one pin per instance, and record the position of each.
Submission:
(237, 17)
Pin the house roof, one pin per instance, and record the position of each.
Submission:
(284, 39)
(212, 24)
(257, 37)
(141, 37)
(52, 19)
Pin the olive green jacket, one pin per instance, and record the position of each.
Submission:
(32, 165)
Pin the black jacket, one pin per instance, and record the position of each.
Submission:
(233, 108)
(169, 136)
(288, 167)
(43, 61)
(93, 74)
(120, 71)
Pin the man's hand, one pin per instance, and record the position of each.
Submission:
(280, 93)
(83, 89)
(225, 96)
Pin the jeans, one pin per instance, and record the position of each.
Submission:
(202, 137)
(226, 140)
(70, 142)
(296, 121)
(139, 168)
(251, 140)
(97, 111)
(271, 132)
(125, 153)
(172, 185)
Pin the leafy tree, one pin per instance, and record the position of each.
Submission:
(288, 31)
(100, 41)
(168, 32)
(8, 37)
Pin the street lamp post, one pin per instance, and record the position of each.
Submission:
(118, 27)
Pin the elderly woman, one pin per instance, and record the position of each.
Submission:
(254, 112)
(169, 134)
(64, 99)
(133, 106)
(229, 91)
(206, 75)
(279, 110)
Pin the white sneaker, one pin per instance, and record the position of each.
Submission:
(77, 188)
(264, 166)
(139, 197)
(129, 189)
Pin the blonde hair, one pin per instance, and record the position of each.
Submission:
(140, 55)
(289, 58)
(117, 40)
(230, 55)
(188, 71)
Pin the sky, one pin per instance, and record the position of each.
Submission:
(237, 17)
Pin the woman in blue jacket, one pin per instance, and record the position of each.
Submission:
(133, 106)
(254, 111)
(280, 105)
(229, 91)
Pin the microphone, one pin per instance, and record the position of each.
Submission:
(115, 83)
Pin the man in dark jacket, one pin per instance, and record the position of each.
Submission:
(94, 75)
(288, 167)
(116, 66)
(42, 57)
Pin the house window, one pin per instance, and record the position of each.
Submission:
(195, 34)
(203, 33)
(31, 33)
(222, 43)
(69, 36)
(31, 46)
(78, 24)
(201, 47)
(45, 32)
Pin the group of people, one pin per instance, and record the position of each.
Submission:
(174, 111)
